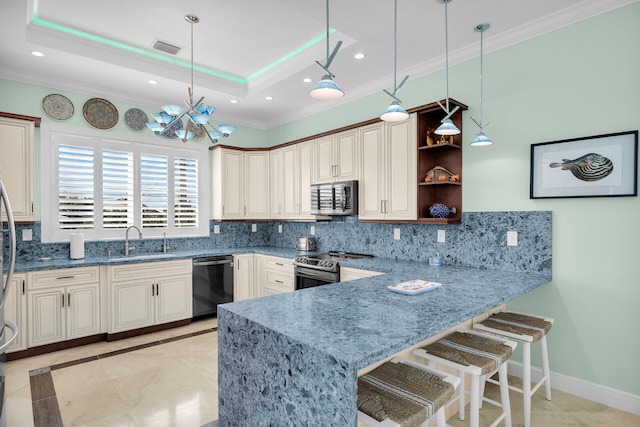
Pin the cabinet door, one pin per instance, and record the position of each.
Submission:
(304, 179)
(346, 153)
(401, 174)
(16, 166)
(290, 182)
(372, 197)
(132, 305)
(174, 299)
(258, 275)
(243, 277)
(256, 185)
(15, 310)
(277, 183)
(83, 311)
(46, 316)
(232, 184)
(325, 166)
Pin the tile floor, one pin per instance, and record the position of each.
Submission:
(164, 379)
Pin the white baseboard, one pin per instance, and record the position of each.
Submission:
(601, 394)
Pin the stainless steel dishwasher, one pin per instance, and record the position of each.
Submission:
(212, 284)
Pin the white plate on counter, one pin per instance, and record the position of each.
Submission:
(413, 287)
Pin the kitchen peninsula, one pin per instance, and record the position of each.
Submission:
(293, 359)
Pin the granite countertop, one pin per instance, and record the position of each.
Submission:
(361, 322)
(24, 265)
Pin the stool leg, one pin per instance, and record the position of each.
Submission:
(461, 396)
(483, 383)
(504, 394)
(545, 366)
(526, 382)
(474, 405)
(440, 419)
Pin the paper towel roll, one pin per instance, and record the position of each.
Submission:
(76, 246)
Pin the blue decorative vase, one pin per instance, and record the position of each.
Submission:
(439, 210)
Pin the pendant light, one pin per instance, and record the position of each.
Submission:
(170, 118)
(327, 88)
(447, 127)
(395, 113)
(481, 139)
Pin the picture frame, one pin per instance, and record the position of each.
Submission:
(593, 166)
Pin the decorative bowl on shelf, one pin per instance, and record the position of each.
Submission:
(440, 210)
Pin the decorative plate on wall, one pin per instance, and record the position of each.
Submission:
(136, 119)
(100, 113)
(171, 132)
(58, 107)
(199, 132)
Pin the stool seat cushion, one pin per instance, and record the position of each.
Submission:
(403, 393)
(519, 324)
(469, 349)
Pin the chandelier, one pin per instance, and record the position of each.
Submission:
(168, 122)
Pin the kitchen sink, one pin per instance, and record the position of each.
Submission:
(140, 257)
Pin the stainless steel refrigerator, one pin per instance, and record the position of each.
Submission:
(4, 342)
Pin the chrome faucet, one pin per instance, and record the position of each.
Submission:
(127, 249)
(164, 244)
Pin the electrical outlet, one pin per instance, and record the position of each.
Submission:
(441, 236)
(512, 238)
(216, 229)
(27, 235)
(312, 230)
(279, 228)
(396, 234)
(254, 228)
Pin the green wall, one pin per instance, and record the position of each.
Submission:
(578, 81)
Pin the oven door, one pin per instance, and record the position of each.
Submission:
(309, 277)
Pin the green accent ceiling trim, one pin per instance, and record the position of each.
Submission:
(123, 46)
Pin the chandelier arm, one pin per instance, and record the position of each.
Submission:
(333, 54)
(187, 129)
(392, 95)
(401, 84)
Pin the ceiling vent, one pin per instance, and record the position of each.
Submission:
(166, 47)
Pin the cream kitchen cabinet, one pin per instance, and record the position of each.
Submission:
(277, 275)
(388, 173)
(148, 294)
(292, 173)
(243, 281)
(337, 157)
(17, 166)
(349, 273)
(62, 304)
(15, 310)
(240, 187)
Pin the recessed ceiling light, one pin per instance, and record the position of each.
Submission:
(269, 98)
(153, 82)
(307, 80)
(36, 53)
(234, 101)
(359, 55)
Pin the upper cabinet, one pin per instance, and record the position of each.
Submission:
(17, 165)
(337, 157)
(240, 187)
(439, 165)
(388, 170)
(292, 173)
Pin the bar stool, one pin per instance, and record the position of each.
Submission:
(480, 356)
(404, 393)
(525, 328)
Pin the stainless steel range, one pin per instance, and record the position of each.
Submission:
(320, 269)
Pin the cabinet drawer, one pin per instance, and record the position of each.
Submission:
(63, 277)
(149, 270)
(348, 273)
(276, 283)
(283, 265)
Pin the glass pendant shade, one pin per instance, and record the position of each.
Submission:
(226, 129)
(394, 113)
(183, 135)
(215, 135)
(172, 110)
(155, 126)
(206, 109)
(481, 140)
(447, 128)
(199, 119)
(326, 89)
(162, 118)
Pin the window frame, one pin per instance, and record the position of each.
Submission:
(53, 135)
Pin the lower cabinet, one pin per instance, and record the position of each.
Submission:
(277, 275)
(15, 310)
(243, 282)
(142, 295)
(62, 305)
(348, 273)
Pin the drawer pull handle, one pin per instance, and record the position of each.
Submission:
(64, 277)
(279, 281)
(280, 264)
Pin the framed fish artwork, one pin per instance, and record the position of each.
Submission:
(593, 166)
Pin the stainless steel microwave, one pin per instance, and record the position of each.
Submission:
(335, 198)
